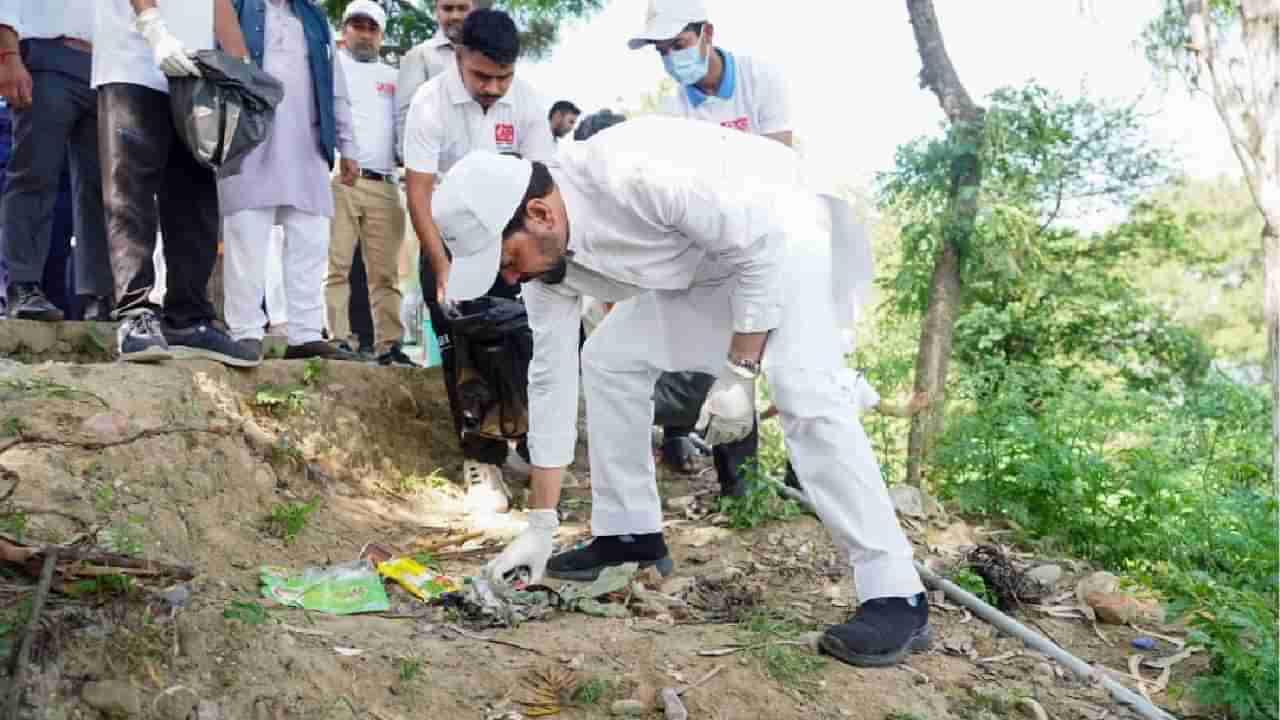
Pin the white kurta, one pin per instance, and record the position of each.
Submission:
(718, 225)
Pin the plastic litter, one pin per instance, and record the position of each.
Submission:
(346, 589)
(412, 576)
(1144, 643)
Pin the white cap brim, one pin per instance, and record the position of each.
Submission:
(473, 275)
(658, 30)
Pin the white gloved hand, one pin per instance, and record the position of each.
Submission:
(532, 549)
(170, 55)
(729, 412)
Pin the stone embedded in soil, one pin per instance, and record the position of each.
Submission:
(907, 500)
(1121, 609)
(1047, 575)
(176, 704)
(113, 698)
(628, 708)
(106, 426)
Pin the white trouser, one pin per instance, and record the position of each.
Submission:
(277, 303)
(804, 364)
(246, 245)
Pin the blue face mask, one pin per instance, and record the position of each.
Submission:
(687, 66)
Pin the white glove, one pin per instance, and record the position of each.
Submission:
(170, 55)
(729, 412)
(532, 549)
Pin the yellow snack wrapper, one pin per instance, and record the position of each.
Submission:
(415, 578)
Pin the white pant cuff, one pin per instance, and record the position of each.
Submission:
(886, 576)
(626, 522)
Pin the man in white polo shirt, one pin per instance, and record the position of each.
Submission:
(734, 91)
(368, 213)
(430, 58)
(147, 170)
(480, 105)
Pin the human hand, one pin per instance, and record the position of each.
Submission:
(440, 266)
(349, 172)
(170, 54)
(15, 81)
(729, 412)
(532, 549)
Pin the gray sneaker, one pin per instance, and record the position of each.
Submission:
(207, 341)
(140, 340)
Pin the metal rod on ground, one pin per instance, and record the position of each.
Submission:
(1030, 638)
(22, 653)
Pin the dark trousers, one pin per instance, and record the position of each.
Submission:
(728, 457)
(359, 313)
(61, 266)
(480, 449)
(147, 172)
(59, 128)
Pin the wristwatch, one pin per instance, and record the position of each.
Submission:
(744, 368)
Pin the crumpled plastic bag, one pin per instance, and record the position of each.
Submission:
(499, 603)
(417, 579)
(346, 589)
(226, 112)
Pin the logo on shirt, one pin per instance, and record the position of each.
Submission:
(504, 134)
(740, 124)
(386, 88)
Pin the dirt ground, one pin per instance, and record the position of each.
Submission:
(182, 464)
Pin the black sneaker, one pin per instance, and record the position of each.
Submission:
(586, 561)
(30, 303)
(882, 632)
(252, 347)
(97, 308)
(395, 356)
(139, 338)
(207, 341)
(319, 349)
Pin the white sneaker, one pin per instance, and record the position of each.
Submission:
(486, 491)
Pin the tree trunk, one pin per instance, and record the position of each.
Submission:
(1271, 310)
(939, 76)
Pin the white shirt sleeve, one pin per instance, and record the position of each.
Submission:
(536, 141)
(11, 15)
(864, 395)
(729, 226)
(412, 75)
(553, 373)
(346, 129)
(775, 104)
(424, 131)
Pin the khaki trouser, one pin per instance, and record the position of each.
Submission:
(370, 214)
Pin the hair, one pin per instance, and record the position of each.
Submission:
(695, 27)
(540, 185)
(492, 33)
(563, 106)
(595, 122)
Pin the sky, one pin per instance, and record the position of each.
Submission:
(852, 69)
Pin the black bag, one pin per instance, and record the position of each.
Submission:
(493, 345)
(225, 113)
(678, 398)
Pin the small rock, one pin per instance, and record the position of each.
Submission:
(1121, 609)
(907, 500)
(628, 708)
(1098, 582)
(1047, 575)
(682, 503)
(677, 586)
(177, 596)
(178, 703)
(724, 575)
(960, 644)
(811, 639)
(106, 426)
(112, 698)
(1044, 672)
(208, 710)
(575, 662)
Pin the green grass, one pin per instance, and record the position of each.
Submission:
(279, 400)
(287, 520)
(409, 668)
(313, 371)
(762, 503)
(127, 538)
(792, 666)
(413, 483)
(15, 524)
(12, 427)
(591, 692)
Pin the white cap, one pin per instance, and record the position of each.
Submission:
(476, 200)
(666, 19)
(367, 8)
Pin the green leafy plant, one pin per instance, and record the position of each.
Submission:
(287, 520)
(971, 581)
(592, 691)
(279, 400)
(760, 504)
(14, 523)
(12, 427)
(409, 668)
(249, 613)
(127, 538)
(313, 371)
(104, 499)
(412, 482)
(772, 638)
(284, 452)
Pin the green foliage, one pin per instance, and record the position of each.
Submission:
(788, 664)
(313, 371)
(971, 581)
(102, 587)
(14, 523)
(287, 520)
(12, 427)
(1240, 635)
(409, 668)
(284, 452)
(592, 691)
(249, 613)
(279, 400)
(1167, 37)
(127, 538)
(762, 503)
(410, 22)
(414, 483)
(104, 499)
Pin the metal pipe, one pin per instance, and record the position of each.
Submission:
(1029, 637)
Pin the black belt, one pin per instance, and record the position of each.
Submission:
(371, 175)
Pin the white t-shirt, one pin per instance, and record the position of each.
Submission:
(372, 88)
(122, 55)
(445, 123)
(758, 104)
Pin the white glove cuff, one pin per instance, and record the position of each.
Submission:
(149, 22)
(544, 519)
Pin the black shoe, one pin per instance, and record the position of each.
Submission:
(586, 561)
(207, 341)
(30, 303)
(395, 356)
(882, 632)
(97, 308)
(140, 340)
(252, 347)
(319, 349)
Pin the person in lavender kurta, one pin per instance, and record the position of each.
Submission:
(285, 180)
